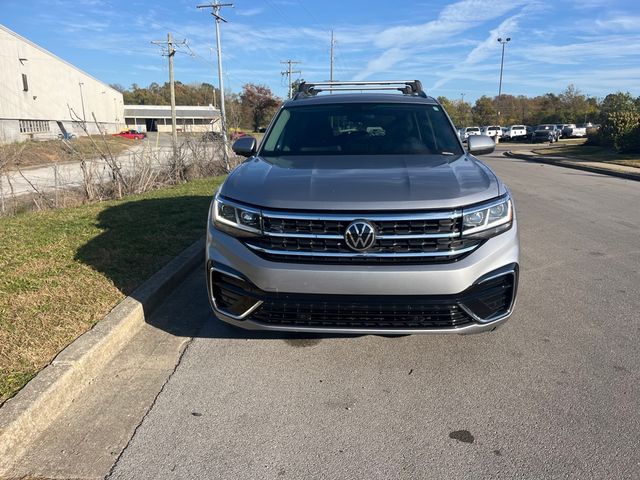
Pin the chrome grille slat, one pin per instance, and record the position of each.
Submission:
(380, 237)
(442, 253)
(374, 217)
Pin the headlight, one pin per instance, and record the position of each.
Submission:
(488, 220)
(236, 219)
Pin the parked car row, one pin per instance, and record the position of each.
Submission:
(546, 132)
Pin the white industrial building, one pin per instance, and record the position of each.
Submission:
(41, 95)
(157, 118)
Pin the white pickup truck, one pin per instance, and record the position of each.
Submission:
(515, 132)
(464, 134)
(492, 131)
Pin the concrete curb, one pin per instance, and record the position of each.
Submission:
(575, 166)
(29, 413)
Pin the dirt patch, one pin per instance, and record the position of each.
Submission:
(35, 153)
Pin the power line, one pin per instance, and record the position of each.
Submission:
(215, 11)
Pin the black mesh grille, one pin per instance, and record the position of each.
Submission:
(361, 314)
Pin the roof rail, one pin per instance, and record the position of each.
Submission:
(407, 87)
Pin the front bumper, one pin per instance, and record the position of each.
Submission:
(358, 299)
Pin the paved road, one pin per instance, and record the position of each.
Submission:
(553, 394)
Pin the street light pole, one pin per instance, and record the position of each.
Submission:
(84, 116)
(503, 41)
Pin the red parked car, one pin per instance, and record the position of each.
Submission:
(237, 134)
(132, 134)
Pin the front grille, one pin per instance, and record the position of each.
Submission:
(421, 237)
(487, 300)
(361, 313)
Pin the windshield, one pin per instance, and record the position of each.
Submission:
(362, 129)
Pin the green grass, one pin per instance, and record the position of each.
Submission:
(591, 154)
(62, 270)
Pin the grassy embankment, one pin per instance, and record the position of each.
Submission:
(590, 153)
(62, 270)
(35, 153)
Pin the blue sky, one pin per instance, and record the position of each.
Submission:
(450, 46)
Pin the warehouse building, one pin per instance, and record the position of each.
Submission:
(157, 118)
(43, 96)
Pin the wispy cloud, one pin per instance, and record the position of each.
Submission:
(481, 52)
(630, 23)
(453, 20)
(250, 12)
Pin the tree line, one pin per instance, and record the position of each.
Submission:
(250, 109)
(254, 106)
(570, 106)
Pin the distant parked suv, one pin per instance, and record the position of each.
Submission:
(546, 132)
(362, 213)
(562, 128)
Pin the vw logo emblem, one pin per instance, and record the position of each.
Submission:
(360, 235)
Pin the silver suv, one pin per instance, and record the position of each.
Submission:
(362, 213)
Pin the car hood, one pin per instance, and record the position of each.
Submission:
(362, 182)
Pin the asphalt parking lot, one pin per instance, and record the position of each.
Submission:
(553, 394)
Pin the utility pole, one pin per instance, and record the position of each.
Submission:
(215, 11)
(171, 51)
(331, 58)
(462, 97)
(288, 73)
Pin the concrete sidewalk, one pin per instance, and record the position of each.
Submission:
(622, 171)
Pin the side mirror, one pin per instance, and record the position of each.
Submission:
(480, 144)
(245, 146)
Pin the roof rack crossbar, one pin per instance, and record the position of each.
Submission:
(407, 87)
(351, 89)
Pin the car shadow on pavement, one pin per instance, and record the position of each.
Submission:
(187, 313)
(139, 237)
